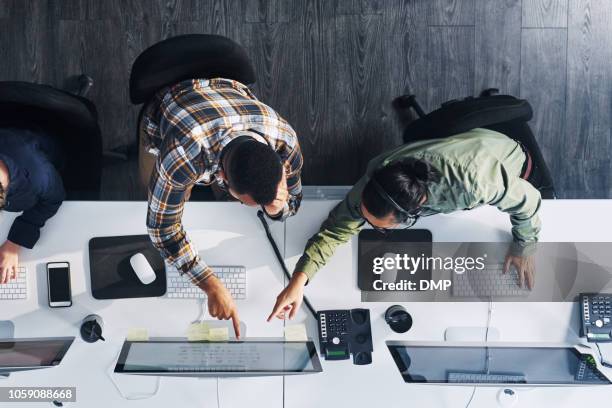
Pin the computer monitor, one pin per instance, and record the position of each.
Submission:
(496, 363)
(179, 357)
(32, 354)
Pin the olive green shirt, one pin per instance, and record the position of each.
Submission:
(478, 167)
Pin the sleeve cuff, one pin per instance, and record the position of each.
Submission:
(306, 265)
(198, 272)
(523, 248)
(23, 234)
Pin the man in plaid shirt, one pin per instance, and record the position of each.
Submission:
(215, 131)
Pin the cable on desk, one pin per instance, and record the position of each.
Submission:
(200, 316)
(280, 259)
(471, 397)
(132, 397)
(489, 316)
(601, 359)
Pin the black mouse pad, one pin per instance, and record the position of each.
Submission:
(112, 276)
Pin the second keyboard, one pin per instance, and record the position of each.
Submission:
(232, 276)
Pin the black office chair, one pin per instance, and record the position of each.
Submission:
(502, 113)
(71, 120)
(186, 57)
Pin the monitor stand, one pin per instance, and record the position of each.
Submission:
(506, 397)
(7, 331)
(475, 334)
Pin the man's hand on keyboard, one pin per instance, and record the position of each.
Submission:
(9, 261)
(525, 268)
(220, 302)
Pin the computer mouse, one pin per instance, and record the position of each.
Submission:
(506, 397)
(142, 268)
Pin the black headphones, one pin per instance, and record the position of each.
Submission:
(381, 191)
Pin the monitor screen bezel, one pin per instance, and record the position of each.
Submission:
(59, 357)
(580, 349)
(312, 351)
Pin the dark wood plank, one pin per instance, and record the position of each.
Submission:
(404, 31)
(359, 6)
(451, 64)
(77, 9)
(78, 54)
(270, 11)
(589, 80)
(313, 92)
(544, 13)
(180, 10)
(121, 181)
(359, 111)
(543, 78)
(28, 54)
(577, 178)
(498, 46)
(450, 12)
(5, 8)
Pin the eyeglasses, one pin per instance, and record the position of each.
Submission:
(411, 219)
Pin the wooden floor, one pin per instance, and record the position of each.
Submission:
(332, 68)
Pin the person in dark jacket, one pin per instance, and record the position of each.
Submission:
(30, 184)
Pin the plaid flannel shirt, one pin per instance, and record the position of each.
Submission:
(186, 126)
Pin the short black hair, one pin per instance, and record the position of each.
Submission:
(405, 181)
(255, 169)
(2, 197)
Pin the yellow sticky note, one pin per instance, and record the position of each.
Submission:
(198, 331)
(218, 334)
(296, 332)
(138, 334)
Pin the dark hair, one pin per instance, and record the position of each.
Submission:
(2, 197)
(405, 181)
(255, 169)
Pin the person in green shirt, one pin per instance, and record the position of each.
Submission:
(423, 178)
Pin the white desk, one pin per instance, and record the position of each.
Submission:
(226, 233)
(380, 384)
(231, 233)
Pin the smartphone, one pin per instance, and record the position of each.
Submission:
(58, 281)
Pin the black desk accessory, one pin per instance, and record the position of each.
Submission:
(279, 257)
(112, 276)
(596, 317)
(91, 329)
(346, 332)
(398, 319)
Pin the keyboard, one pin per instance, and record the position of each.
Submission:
(489, 281)
(16, 288)
(216, 357)
(180, 286)
(483, 378)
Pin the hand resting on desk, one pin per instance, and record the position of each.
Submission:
(9, 261)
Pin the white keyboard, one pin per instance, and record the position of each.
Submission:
(180, 286)
(16, 288)
(483, 378)
(488, 282)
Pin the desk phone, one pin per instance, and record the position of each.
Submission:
(346, 332)
(596, 314)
